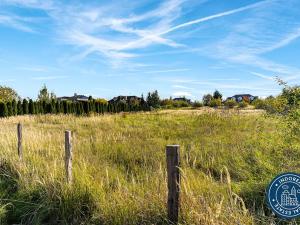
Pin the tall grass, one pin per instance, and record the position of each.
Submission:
(227, 160)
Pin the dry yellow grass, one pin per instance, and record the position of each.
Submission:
(119, 167)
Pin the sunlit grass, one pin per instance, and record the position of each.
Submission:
(227, 159)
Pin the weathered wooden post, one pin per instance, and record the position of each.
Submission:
(20, 150)
(173, 162)
(68, 156)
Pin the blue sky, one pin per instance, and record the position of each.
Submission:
(179, 47)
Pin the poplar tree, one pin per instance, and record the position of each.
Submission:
(20, 108)
(3, 109)
(25, 107)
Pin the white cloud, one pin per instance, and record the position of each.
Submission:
(85, 27)
(182, 93)
(263, 76)
(256, 35)
(169, 70)
(15, 22)
(182, 87)
(226, 13)
(114, 34)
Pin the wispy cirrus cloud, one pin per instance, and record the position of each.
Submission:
(169, 70)
(215, 16)
(19, 23)
(249, 86)
(91, 28)
(118, 35)
(263, 76)
(253, 37)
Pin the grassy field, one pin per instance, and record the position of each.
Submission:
(228, 159)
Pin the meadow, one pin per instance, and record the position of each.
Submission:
(228, 157)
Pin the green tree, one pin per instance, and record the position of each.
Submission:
(31, 107)
(53, 109)
(20, 108)
(14, 107)
(8, 94)
(3, 109)
(153, 99)
(25, 107)
(207, 99)
(217, 95)
(45, 96)
(9, 108)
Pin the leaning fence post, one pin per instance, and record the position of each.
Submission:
(172, 154)
(20, 150)
(68, 156)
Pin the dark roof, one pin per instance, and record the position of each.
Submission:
(124, 98)
(248, 95)
(74, 98)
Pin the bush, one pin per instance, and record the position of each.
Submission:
(243, 104)
(167, 102)
(215, 102)
(178, 104)
(230, 103)
(272, 105)
(259, 104)
(197, 104)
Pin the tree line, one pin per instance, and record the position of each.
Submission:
(30, 107)
(47, 103)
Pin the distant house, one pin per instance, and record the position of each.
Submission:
(182, 99)
(75, 98)
(124, 99)
(243, 97)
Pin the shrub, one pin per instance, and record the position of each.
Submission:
(272, 105)
(258, 104)
(215, 103)
(167, 102)
(230, 103)
(197, 104)
(178, 104)
(242, 104)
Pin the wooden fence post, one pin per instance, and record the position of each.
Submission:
(68, 156)
(173, 162)
(20, 150)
